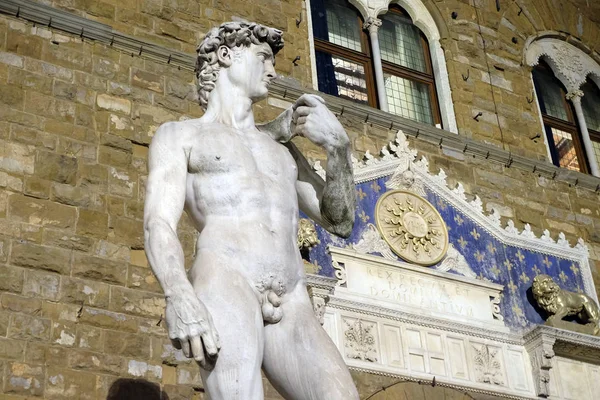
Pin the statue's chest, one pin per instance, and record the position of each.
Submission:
(240, 155)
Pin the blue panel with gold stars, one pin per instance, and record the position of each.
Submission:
(487, 256)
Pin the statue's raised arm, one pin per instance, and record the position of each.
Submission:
(331, 202)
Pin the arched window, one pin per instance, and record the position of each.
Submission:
(559, 120)
(566, 81)
(346, 66)
(563, 132)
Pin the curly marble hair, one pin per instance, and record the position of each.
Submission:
(232, 35)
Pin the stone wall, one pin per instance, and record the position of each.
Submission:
(80, 307)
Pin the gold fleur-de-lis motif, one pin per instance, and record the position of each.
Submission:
(361, 194)
(536, 270)
(375, 186)
(563, 277)
(574, 268)
(491, 248)
(479, 256)
(523, 277)
(508, 264)
(547, 262)
(462, 243)
(511, 285)
(441, 205)
(495, 270)
(458, 219)
(517, 310)
(520, 255)
(579, 289)
(475, 234)
(363, 216)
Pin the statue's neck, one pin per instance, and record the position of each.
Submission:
(228, 105)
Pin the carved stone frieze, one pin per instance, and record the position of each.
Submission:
(359, 340)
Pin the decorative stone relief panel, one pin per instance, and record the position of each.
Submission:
(487, 362)
(360, 340)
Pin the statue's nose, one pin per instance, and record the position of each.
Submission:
(271, 74)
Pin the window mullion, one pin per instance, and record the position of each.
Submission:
(575, 98)
(372, 25)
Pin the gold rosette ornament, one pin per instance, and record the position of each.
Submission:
(412, 227)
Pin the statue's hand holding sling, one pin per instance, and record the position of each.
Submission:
(191, 328)
(312, 119)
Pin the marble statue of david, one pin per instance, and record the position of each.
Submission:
(245, 304)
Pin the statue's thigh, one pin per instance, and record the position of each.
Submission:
(237, 318)
(300, 360)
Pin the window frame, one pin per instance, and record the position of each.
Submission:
(570, 126)
(414, 75)
(365, 58)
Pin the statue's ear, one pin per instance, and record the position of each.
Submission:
(224, 55)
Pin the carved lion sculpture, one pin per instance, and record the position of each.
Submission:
(562, 303)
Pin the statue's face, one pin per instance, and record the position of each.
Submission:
(252, 69)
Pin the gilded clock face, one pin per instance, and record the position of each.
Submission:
(412, 227)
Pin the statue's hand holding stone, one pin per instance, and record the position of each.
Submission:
(191, 328)
(313, 120)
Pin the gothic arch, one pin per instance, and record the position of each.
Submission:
(570, 64)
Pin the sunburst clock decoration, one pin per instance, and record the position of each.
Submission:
(412, 227)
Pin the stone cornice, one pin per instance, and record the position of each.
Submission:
(88, 29)
(402, 378)
(562, 338)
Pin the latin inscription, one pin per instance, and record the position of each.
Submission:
(439, 296)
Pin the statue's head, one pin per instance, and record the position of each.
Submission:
(246, 49)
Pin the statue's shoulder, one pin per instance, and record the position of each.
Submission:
(174, 129)
(180, 133)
